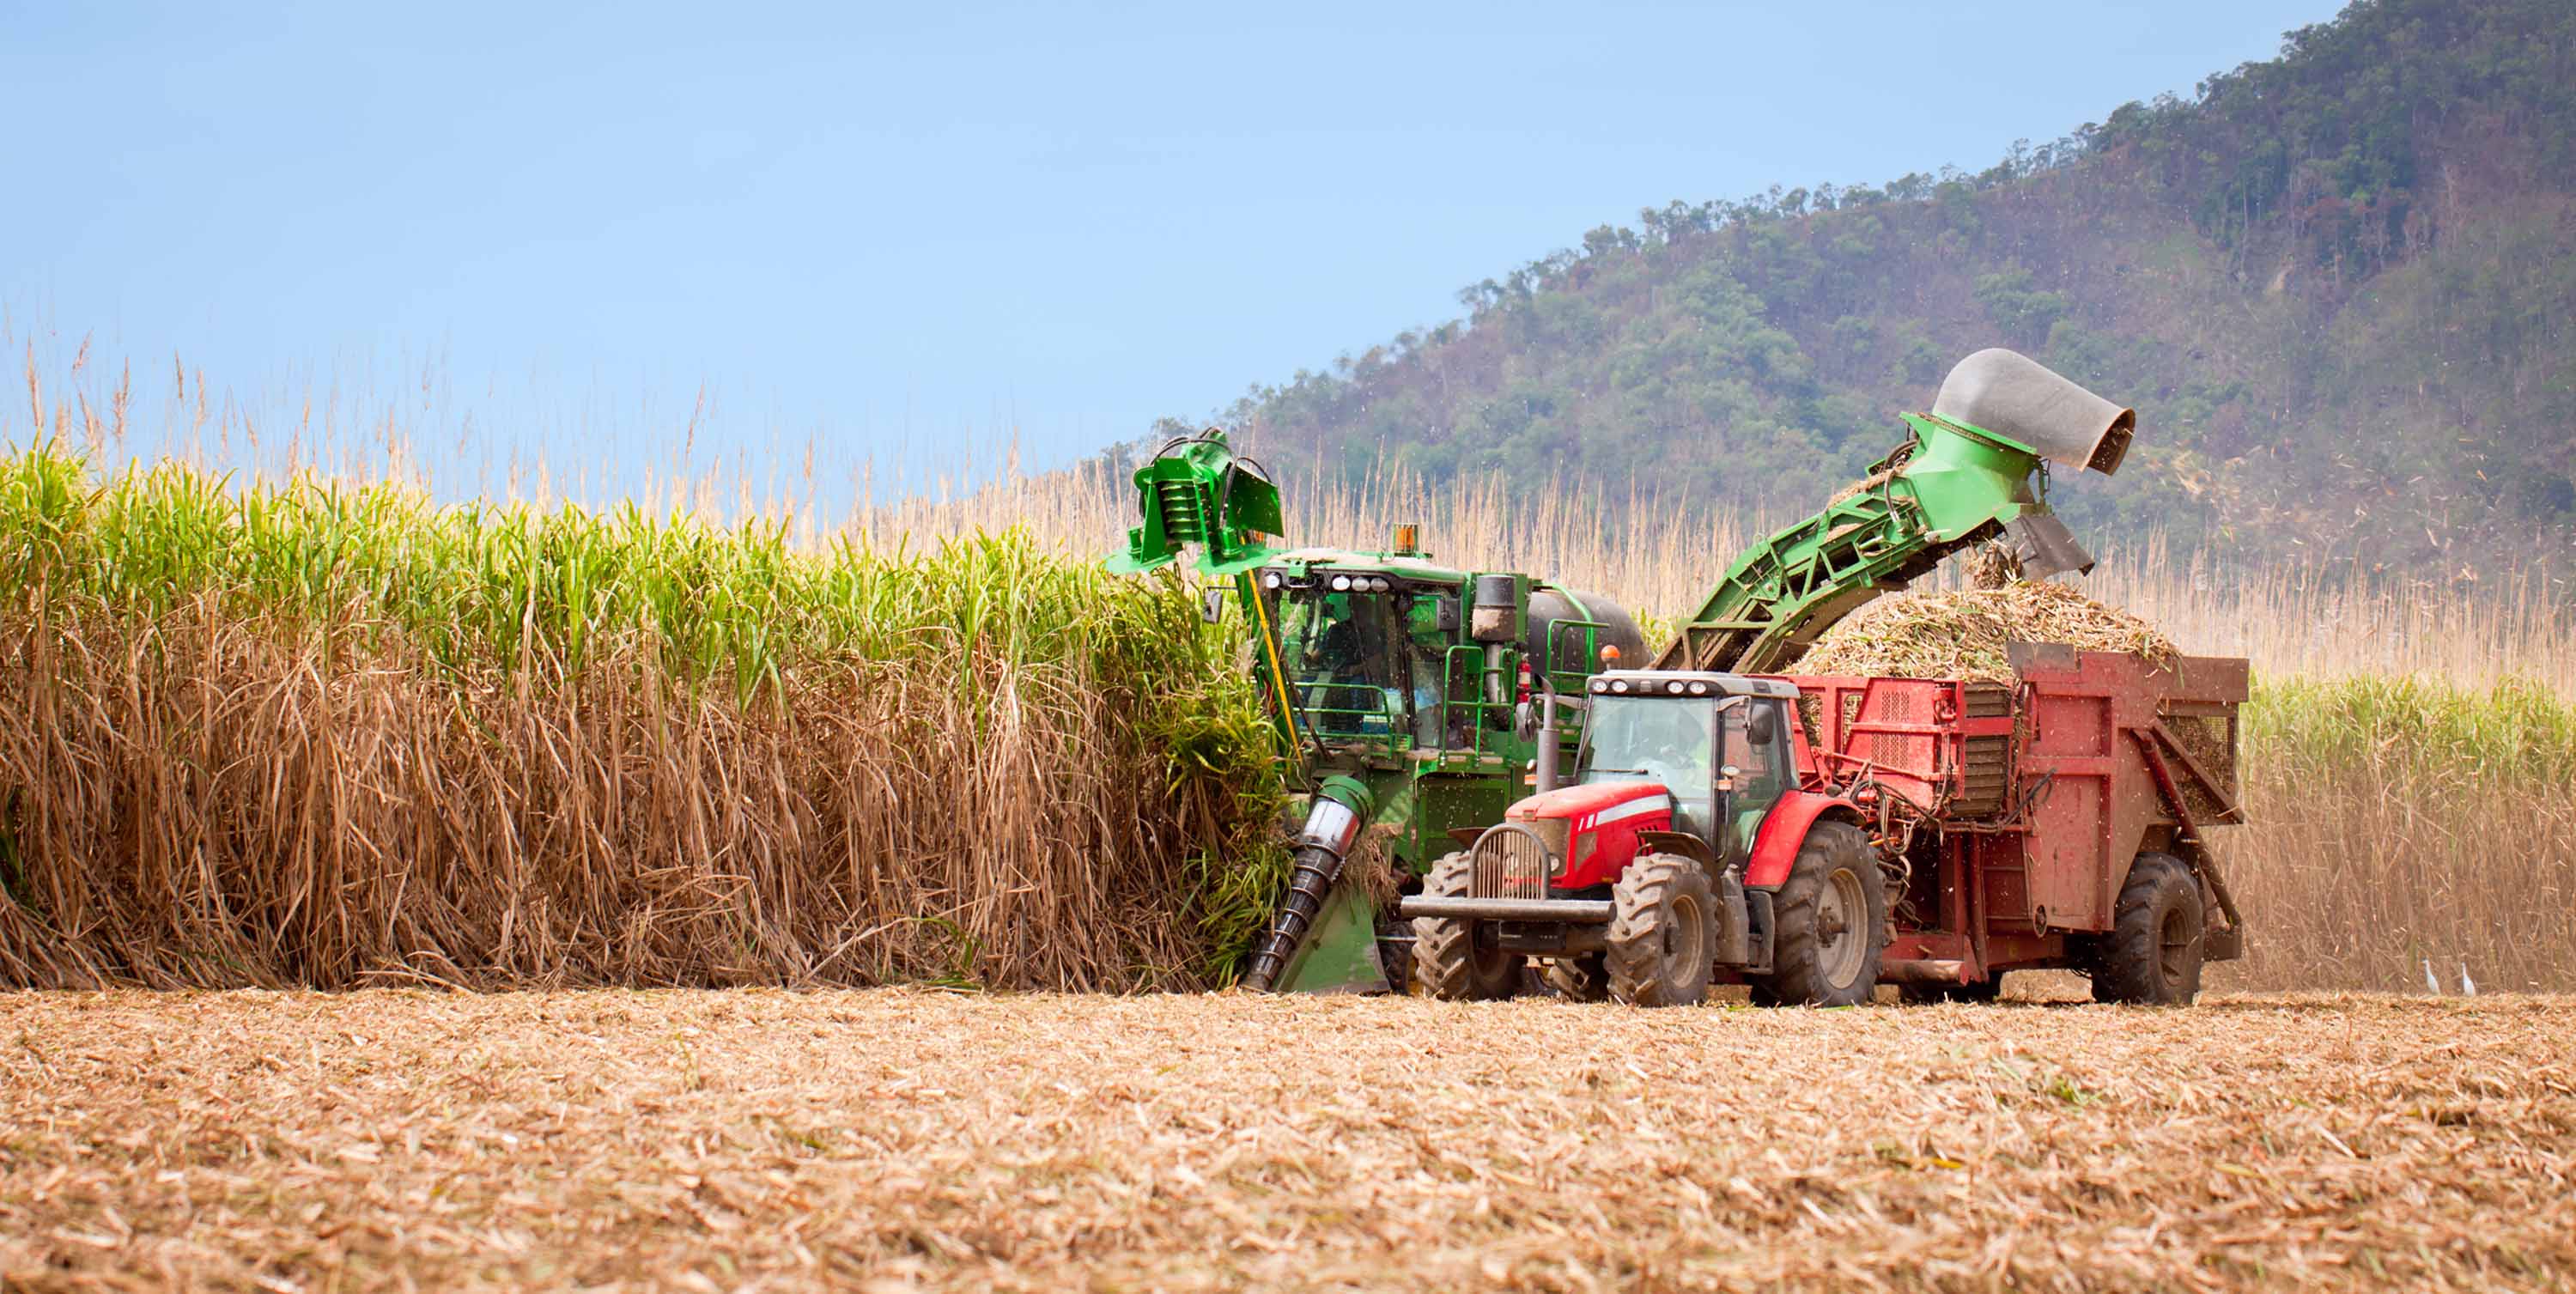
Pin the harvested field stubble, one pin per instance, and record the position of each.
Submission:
(689, 1139)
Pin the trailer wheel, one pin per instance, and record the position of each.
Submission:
(1661, 952)
(1579, 979)
(2152, 957)
(1447, 964)
(1832, 919)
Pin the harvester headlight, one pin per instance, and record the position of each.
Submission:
(1673, 688)
(1600, 685)
(1620, 686)
(1381, 584)
(1272, 579)
(1341, 584)
(1699, 689)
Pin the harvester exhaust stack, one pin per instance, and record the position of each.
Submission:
(2013, 395)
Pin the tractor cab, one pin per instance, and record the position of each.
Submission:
(1717, 744)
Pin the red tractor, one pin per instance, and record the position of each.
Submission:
(1815, 837)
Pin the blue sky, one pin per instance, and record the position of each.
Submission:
(898, 231)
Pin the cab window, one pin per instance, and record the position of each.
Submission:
(1753, 738)
(1341, 668)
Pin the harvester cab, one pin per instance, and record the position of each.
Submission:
(1406, 695)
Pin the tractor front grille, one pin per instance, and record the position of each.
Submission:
(1509, 864)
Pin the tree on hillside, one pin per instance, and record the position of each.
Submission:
(2330, 282)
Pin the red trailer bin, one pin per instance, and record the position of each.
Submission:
(2019, 807)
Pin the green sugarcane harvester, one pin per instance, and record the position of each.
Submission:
(1396, 683)
(1419, 700)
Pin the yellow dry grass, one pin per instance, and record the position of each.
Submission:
(760, 1139)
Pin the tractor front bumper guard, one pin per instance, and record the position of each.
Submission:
(1575, 911)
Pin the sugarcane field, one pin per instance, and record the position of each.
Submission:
(620, 683)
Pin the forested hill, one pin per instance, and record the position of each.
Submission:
(2338, 287)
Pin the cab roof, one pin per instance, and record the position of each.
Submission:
(1414, 567)
(1659, 682)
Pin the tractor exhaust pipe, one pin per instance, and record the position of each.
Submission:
(1325, 841)
(2013, 395)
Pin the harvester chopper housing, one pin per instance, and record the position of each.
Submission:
(1399, 687)
(1815, 837)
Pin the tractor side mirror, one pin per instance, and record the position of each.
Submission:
(1763, 727)
(1444, 614)
(1212, 605)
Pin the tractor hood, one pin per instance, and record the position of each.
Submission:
(1590, 830)
(1588, 801)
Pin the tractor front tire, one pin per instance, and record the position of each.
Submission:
(1584, 978)
(1831, 919)
(1447, 963)
(1662, 949)
(2152, 957)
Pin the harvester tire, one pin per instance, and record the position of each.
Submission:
(1662, 949)
(1579, 979)
(1831, 916)
(1447, 964)
(2152, 957)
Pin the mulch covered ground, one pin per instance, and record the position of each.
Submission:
(754, 1139)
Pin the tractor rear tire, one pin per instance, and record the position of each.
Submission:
(1447, 963)
(1579, 979)
(2152, 956)
(1831, 917)
(1662, 947)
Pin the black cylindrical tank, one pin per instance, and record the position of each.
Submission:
(1561, 651)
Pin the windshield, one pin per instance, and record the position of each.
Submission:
(1660, 739)
(1337, 651)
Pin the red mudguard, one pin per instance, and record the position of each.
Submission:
(1775, 848)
